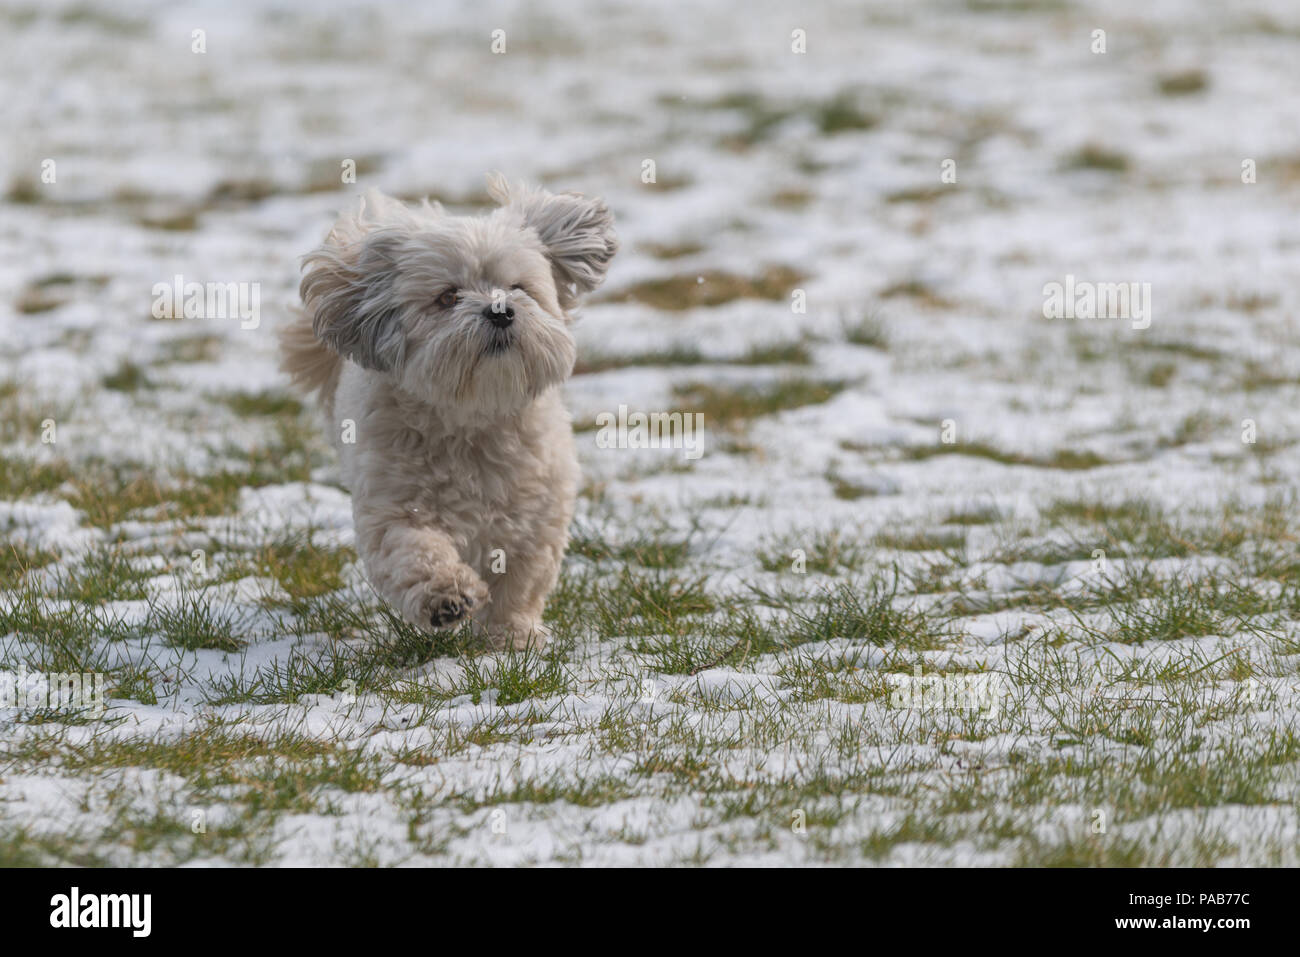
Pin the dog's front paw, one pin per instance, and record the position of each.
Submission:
(451, 611)
(454, 594)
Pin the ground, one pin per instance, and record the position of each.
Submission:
(908, 468)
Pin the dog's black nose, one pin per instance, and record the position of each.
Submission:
(500, 316)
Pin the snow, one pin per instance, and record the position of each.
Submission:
(142, 129)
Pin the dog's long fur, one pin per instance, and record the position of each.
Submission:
(463, 472)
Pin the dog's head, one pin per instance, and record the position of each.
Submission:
(471, 311)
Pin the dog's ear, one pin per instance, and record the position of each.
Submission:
(348, 290)
(577, 231)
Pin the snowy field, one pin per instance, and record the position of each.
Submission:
(1081, 533)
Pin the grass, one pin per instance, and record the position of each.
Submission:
(196, 622)
(16, 558)
(1092, 156)
(302, 568)
(868, 330)
(511, 679)
(638, 588)
(107, 574)
(986, 515)
(258, 404)
(761, 119)
(848, 490)
(1178, 608)
(24, 414)
(187, 349)
(1065, 458)
(109, 493)
(826, 552)
(1183, 83)
(644, 553)
(673, 250)
(731, 406)
(815, 639)
(678, 674)
(872, 616)
(35, 300)
(778, 353)
(711, 288)
(110, 496)
(648, 602)
(916, 289)
(1141, 528)
(727, 631)
(128, 377)
(258, 777)
(921, 541)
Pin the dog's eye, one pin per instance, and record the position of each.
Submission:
(518, 287)
(447, 298)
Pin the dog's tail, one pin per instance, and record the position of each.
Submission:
(312, 366)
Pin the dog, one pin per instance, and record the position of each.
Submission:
(436, 346)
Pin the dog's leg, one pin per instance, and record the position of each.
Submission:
(514, 619)
(417, 570)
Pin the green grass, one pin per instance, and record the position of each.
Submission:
(867, 330)
(646, 552)
(1142, 529)
(16, 558)
(827, 552)
(301, 567)
(1184, 83)
(780, 353)
(187, 349)
(1096, 157)
(587, 792)
(196, 622)
(24, 413)
(873, 616)
(107, 574)
(1068, 459)
(730, 406)
(987, 515)
(259, 777)
(842, 114)
(1180, 608)
(921, 541)
(109, 493)
(60, 637)
(254, 404)
(847, 490)
(709, 696)
(331, 670)
(645, 592)
(761, 119)
(647, 602)
(711, 288)
(827, 678)
(514, 679)
(673, 250)
(128, 377)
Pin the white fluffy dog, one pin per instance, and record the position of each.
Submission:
(437, 345)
